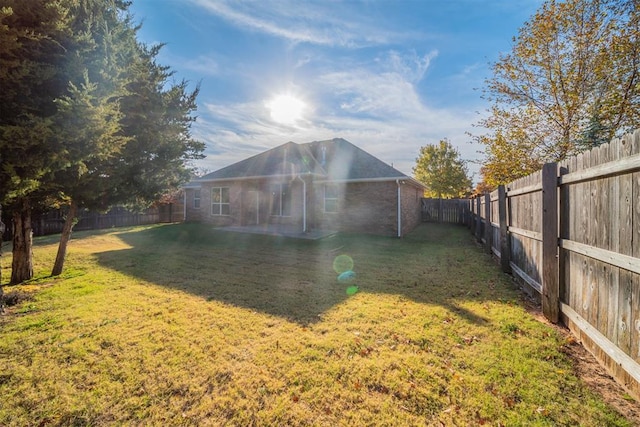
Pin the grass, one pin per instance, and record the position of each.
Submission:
(185, 325)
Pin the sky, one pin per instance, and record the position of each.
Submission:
(388, 76)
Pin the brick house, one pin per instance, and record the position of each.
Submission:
(325, 185)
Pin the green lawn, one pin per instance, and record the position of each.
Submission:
(185, 325)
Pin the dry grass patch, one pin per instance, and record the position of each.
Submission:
(184, 325)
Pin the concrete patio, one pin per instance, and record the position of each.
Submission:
(292, 231)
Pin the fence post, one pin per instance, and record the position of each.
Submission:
(488, 228)
(550, 283)
(563, 231)
(478, 220)
(505, 241)
(473, 220)
(472, 217)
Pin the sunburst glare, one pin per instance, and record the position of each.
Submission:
(286, 109)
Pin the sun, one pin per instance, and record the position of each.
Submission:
(286, 109)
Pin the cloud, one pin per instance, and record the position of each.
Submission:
(410, 66)
(306, 22)
(378, 109)
(302, 61)
(202, 64)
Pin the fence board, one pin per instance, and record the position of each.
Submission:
(601, 218)
(614, 245)
(495, 221)
(635, 231)
(626, 248)
(488, 228)
(594, 238)
(579, 216)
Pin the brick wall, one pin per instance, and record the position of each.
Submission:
(411, 206)
(204, 213)
(192, 213)
(239, 204)
(366, 207)
(369, 207)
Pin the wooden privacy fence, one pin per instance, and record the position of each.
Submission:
(571, 233)
(454, 211)
(52, 222)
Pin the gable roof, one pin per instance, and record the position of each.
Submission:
(343, 161)
(283, 160)
(331, 160)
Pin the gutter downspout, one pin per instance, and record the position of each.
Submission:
(398, 183)
(184, 193)
(304, 204)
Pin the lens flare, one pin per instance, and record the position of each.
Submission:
(351, 290)
(342, 263)
(347, 276)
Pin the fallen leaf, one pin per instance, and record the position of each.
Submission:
(542, 411)
(470, 340)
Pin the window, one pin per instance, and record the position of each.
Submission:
(220, 201)
(196, 199)
(280, 200)
(330, 198)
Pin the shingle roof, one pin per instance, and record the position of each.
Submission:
(282, 160)
(335, 159)
(345, 161)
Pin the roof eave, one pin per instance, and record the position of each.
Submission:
(247, 178)
(381, 179)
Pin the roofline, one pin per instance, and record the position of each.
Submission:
(321, 181)
(384, 179)
(246, 178)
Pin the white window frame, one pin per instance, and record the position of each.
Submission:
(217, 206)
(332, 200)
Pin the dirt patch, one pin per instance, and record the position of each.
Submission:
(597, 378)
(14, 298)
(594, 375)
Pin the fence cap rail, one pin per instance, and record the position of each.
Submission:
(616, 167)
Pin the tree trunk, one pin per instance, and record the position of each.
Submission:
(64, 238)
(1, 233)
(22, 264)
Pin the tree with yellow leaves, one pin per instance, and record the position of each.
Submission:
(440, 168)
(570, 83)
